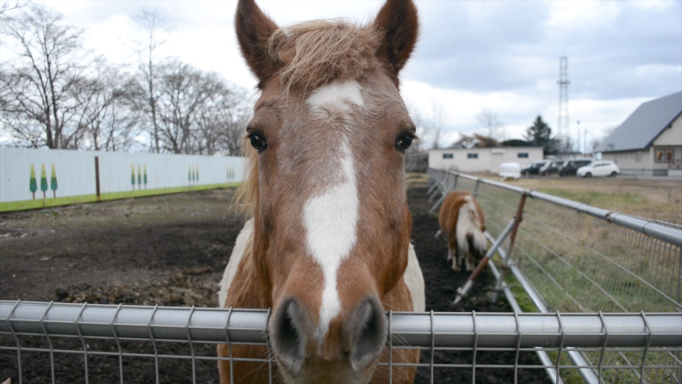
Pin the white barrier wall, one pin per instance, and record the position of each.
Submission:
(31, 174)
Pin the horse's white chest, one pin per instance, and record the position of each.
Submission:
(240, 248)
(414, 279)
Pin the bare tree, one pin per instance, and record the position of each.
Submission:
(430, 127)
(108, 113)
(222, 122)
(487, 119)
(154, 25)
(596, 141)
(437, 122)
(36, 90)
(193, 108)
(7, 6)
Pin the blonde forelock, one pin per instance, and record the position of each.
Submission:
(317, 52)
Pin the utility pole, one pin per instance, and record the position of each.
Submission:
(563, 126)
(585, 138)
(579, 151)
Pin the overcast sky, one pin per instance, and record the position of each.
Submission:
(499, 55)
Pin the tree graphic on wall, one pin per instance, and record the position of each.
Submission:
(33, 186)
(132, 176)
(145, 176)
(139, 177)
(43, 181)
(230, 172)
(197, 178)
(53, 182)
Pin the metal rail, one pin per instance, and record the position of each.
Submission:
(454, 330)
(655, 230)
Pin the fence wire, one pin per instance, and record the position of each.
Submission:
(573, 258)
(146, 344)
(579, 258)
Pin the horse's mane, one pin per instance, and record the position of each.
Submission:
(244, 201)
(316, 52)
(311, 54)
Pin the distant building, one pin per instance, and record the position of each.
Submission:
(649, 142)
(469, 160)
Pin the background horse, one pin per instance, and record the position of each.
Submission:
(327, 247)
(462, 222)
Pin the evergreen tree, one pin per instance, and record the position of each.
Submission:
(33, 186)
(145, 176)
(43, 181)
(139, 177)
(132, 176)
(516, 143)
(53, 182)
(540, 135)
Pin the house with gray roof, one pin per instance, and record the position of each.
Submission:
(649, 142)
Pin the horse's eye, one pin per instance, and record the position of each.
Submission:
(257, 142)
(403, 142)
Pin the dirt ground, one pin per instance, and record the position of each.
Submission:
(172, 250)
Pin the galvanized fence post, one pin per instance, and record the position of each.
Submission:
(463, 291)
(505, 262)
(478, 184)
(452, 186)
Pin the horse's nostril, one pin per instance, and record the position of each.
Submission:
(287, 335)
(365, 332)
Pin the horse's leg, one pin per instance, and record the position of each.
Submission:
(471, 264)
(454, 254)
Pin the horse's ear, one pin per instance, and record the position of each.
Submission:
(398, 22)
(254, 29)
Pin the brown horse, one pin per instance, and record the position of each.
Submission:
(462, 222)
(328, 246)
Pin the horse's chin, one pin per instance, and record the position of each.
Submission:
(340, 372)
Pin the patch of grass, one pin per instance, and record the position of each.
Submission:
(84, 199)
(599, 199)
(568, 375)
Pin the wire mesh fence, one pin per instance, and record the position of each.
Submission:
(569, 258)
(110, 333)
(579, 258)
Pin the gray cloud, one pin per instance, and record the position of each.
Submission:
(510, 46)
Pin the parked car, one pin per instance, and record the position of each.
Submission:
(598, 168)
(550, 167)
(569, 167)
(534, 167)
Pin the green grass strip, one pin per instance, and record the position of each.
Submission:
(40, 203)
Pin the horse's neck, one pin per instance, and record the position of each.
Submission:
(242, 286)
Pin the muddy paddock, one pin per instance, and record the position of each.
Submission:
(172, 250)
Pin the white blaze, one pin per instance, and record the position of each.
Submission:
(330, 219)
(335, 97)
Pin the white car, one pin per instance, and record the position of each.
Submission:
(599, 168)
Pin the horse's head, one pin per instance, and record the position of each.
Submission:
(332, 226)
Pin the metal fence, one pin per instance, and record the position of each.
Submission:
(642, 335)
(568, 257)
(573, 257)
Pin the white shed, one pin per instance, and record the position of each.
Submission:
(482, 159)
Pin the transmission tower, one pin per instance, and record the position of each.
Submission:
(563, 129)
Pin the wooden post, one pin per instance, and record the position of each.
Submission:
(97, 177)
